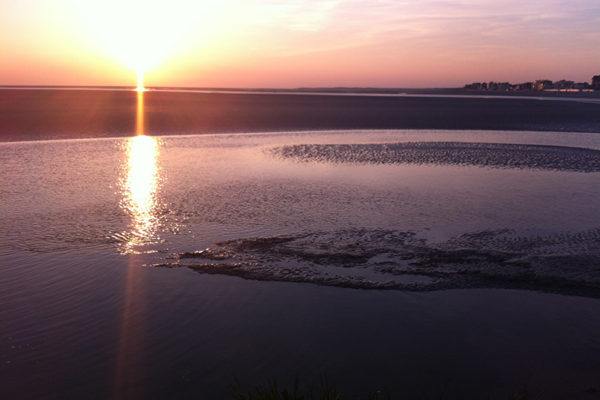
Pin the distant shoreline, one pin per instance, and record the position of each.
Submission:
(340, 91)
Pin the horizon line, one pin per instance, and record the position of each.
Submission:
(236, 88)
(586, 97)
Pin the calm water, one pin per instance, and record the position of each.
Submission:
(153, 266)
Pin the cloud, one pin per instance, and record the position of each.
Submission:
(307, 27)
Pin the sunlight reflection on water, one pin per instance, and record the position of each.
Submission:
(139, 188)
(139, 185)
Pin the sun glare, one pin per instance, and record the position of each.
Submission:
(140, 82)
(142, 35)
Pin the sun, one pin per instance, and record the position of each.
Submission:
(140, 35)
(140, 82)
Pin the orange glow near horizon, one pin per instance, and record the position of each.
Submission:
(261, 43)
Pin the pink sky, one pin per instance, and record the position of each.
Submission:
(267, 43)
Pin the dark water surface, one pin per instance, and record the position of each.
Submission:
(37, 114)
(462, 264)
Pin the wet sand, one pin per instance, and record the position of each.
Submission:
(51, 114)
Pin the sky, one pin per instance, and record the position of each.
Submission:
(287, 44)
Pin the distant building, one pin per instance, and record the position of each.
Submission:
(542, 84)
(581, 86)
(563, 84)
(474, 86)
(524, 86)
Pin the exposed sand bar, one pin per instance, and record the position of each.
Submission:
(34, 114)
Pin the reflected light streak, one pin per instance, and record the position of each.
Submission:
(140, 189)
(130, 362)
(140, 184)
(139, 117)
